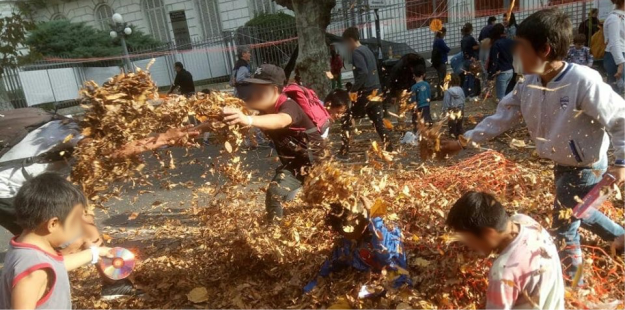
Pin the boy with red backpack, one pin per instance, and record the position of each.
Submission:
(294, 119)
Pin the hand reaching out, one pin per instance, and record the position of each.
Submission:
(234, 116)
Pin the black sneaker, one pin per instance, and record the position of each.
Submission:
(120, 288)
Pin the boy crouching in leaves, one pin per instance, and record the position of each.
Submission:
(366, 245)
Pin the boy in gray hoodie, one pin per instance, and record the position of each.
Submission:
(453, 106)
(571, 115)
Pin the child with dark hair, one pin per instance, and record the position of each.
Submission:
(578, 53)
(338, 103)
(527, 271)
(453, 106)
(421, 95)
(500, 60)
(571, 115)
(298, 139)
(365, 244)
(49, 209)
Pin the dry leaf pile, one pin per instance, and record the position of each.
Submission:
(222, 254)
(125, 109)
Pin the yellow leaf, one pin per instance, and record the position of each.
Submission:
(578, 275)
(133, 216)
(421, 262)
(68, 138)
(228, 147)
(340, 303)
(403, 305)
(387, 123)
(378, 209)
(198, 295)
(329, 75)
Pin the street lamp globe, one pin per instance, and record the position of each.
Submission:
(113, 34)
(117, 18)
(127, 31)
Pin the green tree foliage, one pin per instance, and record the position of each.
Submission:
(13, 29)
(62, 38)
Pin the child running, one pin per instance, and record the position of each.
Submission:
(453, 106)
(49, 209)
(421, 95)
(571, 115)
(297, 138)
(527, 272)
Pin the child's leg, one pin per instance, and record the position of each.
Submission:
(339, 81)
(283, 187)
(346, 132)
(425, 113)
(577, 182)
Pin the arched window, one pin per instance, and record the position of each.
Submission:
(103, 14)
(209, 15)
(157, 20)
(57, 16)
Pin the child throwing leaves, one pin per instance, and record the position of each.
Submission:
(569, 112)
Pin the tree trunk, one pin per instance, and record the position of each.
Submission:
(312, 17)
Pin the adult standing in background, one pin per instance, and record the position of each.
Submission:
(183, 81)
(500, 60)
(242, 68)
(470, 50)
(590, 26)
(366, 82)
(510, 24)
(614, 36)
(440, 52)
(485, 44)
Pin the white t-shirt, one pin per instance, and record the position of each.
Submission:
(529, 268)
(35, 143)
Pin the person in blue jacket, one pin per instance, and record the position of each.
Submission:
(440, 54)
(421, 95)
(368, 246)
(500, 60)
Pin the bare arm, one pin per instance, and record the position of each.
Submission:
(234, 116)
(29, 290)
(171, 137)
(77, 260)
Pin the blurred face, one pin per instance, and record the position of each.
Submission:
(351, 43)
(578, 45)
(594, 14)
(70, 229)
(262, 97)
(337, 113)
(533, 61)
(178, 69)
(484, 244)
(247, 56)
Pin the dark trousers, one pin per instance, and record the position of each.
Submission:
(283, 187)
(425, 115)
(8, 219)
(455, 125)
(363, 106)
(441, 71)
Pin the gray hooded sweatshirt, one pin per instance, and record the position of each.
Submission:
(453, 98)
(569, 119)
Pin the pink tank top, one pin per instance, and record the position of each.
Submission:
(21, 260)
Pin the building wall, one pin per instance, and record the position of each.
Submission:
(232, 13)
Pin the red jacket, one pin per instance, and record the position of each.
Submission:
(336, 64)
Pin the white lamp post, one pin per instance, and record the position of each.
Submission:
(121, 29)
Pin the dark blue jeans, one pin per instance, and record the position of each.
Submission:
(610, 67)
(469, 87)
(571, 182)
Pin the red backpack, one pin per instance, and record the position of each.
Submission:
(309, 102)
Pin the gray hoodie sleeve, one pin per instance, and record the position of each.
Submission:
(446, 101)
(508, 115)
(360, 70)
(601, 103)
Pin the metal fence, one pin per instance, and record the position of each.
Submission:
(404, 23)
